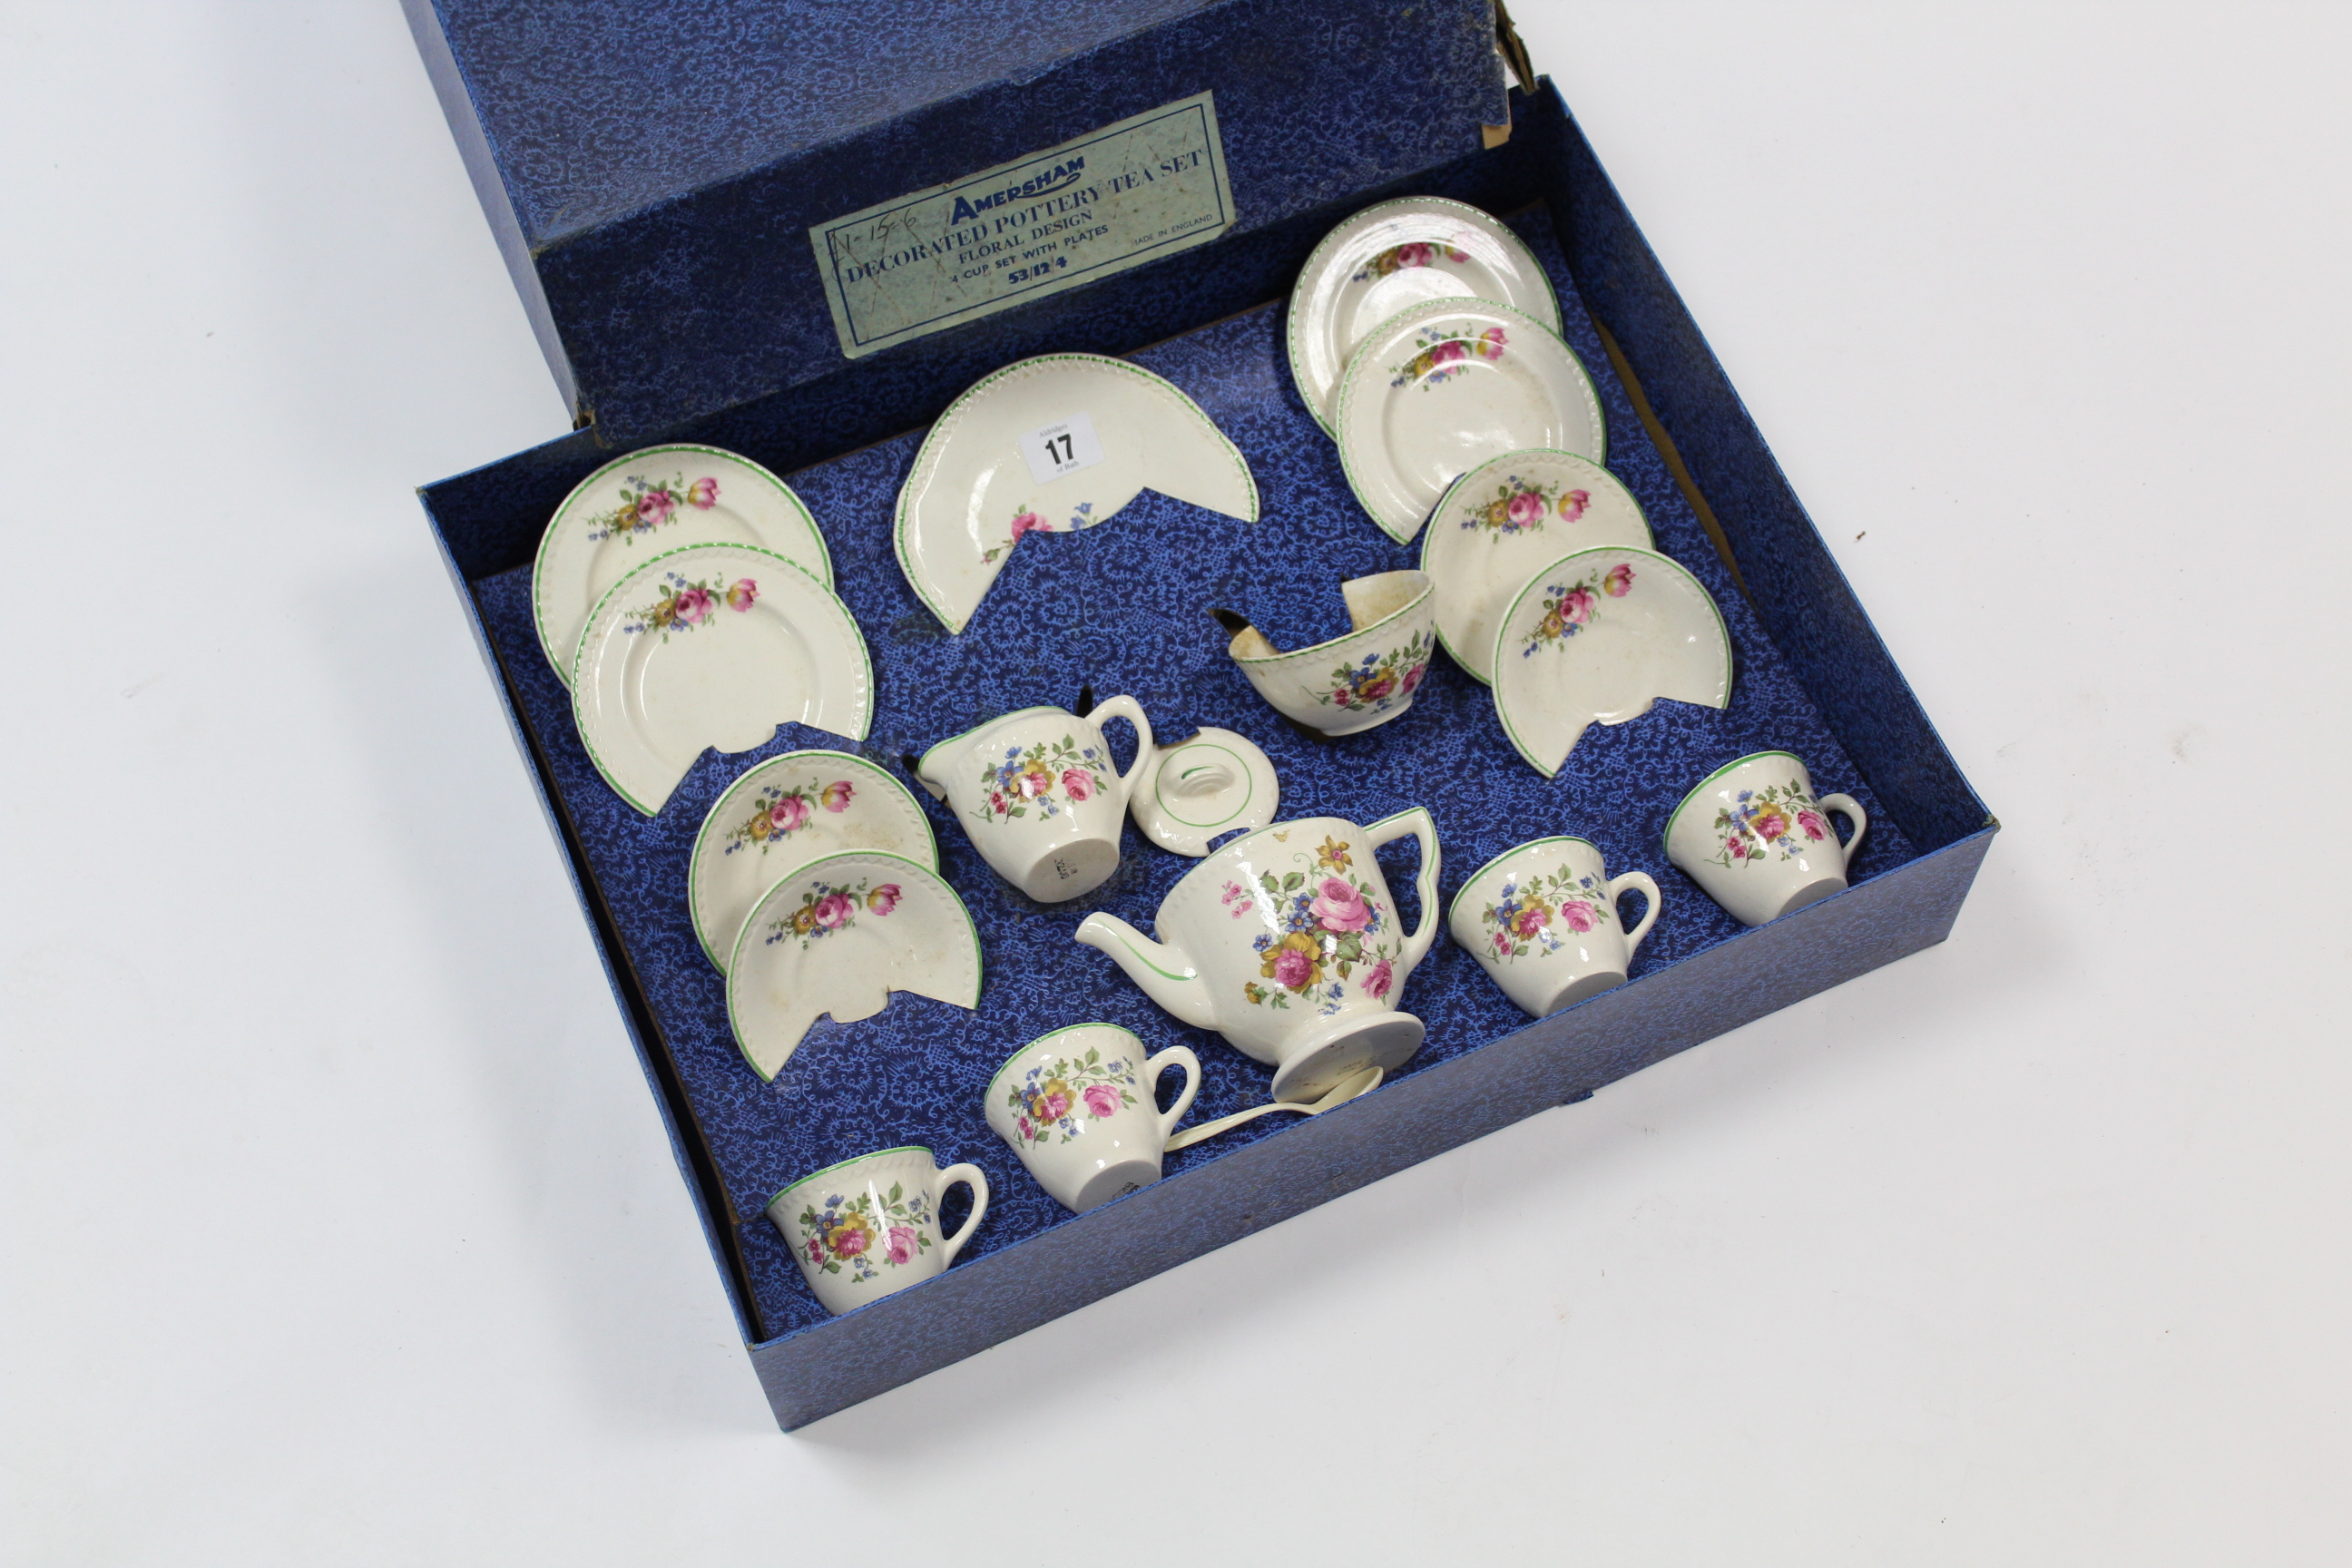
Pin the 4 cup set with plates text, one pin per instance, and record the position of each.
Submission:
(685, 595)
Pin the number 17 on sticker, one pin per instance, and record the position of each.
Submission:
(1062, 447)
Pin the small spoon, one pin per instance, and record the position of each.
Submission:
(1362, 1082)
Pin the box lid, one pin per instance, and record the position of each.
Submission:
(665, 179)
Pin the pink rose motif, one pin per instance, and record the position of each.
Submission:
(654, 508)
(1036, 782)
(1449, 350)
(850, 1241)
(1490, 343)
(883, 899)
(834, 909)
(1577, 916)
(1102, 1100)
(1340, 906)
(901, 1243)
(1375, 688)
(788, 813)
(836, 795)
(1816, 825)
(1413, 256)
(1619, 581)
(1526, 508)
(744, 594)
(1077, 783)
(1293, 968)
(1530, 921)
(1378, 980)
(1052, 1107)
(702, 493)
(1028, 522)
(1577, 608)
(1413, 679)
(694, 606)
(1572, 505)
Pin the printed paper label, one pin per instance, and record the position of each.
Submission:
(1062, 447)
(1128, 194)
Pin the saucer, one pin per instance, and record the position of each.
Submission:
(1361, 680)
(659, 499)
(1504, 521)
(1216, 783)
(783, 814)
(712, 645)
(838, 936)
(1447, 385)
(1601, 636)
(1052, 445)
(1388, 259)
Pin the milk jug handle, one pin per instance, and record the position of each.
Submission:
(1416, 821)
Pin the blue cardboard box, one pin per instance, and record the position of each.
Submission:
(708, 282)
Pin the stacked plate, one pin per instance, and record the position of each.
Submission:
(686, 596)
(1425, 339)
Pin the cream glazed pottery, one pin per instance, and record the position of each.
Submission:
(1542, 919)
(869, 1227)
(1388, 259)
(1048, 445)
(1214, 784)
(1286, 943)
(1504, 521)
(1757, 841)
(1446, 386)
(712, 645)
(839, 936)
(1599, 637)
(653, 499)
(1078, 1107)
(1036, 794)
(1352, 682)
(782, 814)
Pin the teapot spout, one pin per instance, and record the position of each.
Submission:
(1166, 974)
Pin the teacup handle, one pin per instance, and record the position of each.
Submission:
(1416, 821)
(976, 1179)
(1174, 1056)
(1128, 709)
(1852, 810)
(1636, 881)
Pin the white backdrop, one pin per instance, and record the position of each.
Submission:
(2030, 1248)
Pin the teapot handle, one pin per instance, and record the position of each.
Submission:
(1416, 821)
(1128, 709)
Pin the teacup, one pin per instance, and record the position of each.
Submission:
(1542, 918)
(1078, 1106)
(869, 1227)
(1286, 943)
(1755, 838)
(1037, 796)
(1353, 682)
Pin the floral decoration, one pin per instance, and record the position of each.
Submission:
(1441, 356)
(1777, 822)
(1399, 258)
(864, 1237)
(1568, 607)
(1522, 506)
(1333, 934)
(1530, 916)
(1028, 521)
(1065, 1095)
(645, 506)
(826, 909)
(683, 605)
(1043, 781)
(779, 811)
(1382, 681)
